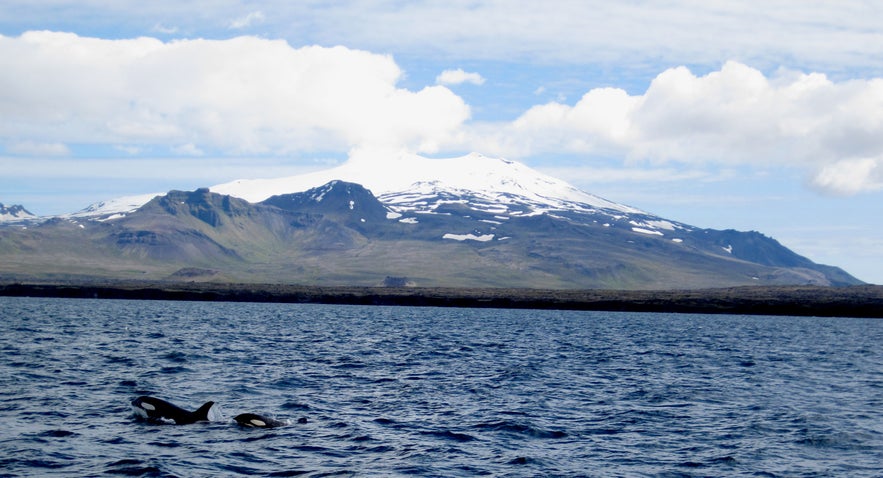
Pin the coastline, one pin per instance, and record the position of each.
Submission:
(853, 301)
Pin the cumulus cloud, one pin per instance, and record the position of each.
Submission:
(735, 115)
(850, 176)
(242, 95)
(457, 77)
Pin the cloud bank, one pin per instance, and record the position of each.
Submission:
(822, 35)
(247, 96)
(242, 95)
(728, 117)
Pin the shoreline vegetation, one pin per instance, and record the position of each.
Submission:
(852, 301)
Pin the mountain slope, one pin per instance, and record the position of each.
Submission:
(465, 222)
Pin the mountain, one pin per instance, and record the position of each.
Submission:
(497, 182)
(402, 220)
(113, 208)
(15, 213)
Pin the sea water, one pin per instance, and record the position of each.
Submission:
(394, 391)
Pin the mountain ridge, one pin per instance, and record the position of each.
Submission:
(400, 174)
(512, 227)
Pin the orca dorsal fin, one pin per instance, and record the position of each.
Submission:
(201, 414)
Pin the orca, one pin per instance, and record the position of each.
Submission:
(257, 421)
(155, 409)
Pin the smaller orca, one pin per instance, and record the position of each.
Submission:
(158, 410)
(257, 421)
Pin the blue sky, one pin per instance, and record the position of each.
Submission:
(732, 114)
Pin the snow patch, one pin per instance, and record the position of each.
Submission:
(662, 224)
(729, 248)
(654, 224)
(469, 237)
(409, 220)
(647, 231)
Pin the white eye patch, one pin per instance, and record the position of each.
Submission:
(258, 423)
(147, 406)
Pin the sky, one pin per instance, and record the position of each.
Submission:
(745, 115)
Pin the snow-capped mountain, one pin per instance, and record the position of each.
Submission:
(414, 183)
(410, 185)
(15, 213)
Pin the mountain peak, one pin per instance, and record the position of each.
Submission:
(15, 213)
(335, 198)
(113, 208)
(399, 173)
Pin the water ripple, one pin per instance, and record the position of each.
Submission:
(378, 391)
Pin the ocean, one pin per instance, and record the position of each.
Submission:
(396, 391)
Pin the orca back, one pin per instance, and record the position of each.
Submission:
(156, 409)
(257, 421)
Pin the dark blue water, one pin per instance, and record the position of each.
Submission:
(436, 392)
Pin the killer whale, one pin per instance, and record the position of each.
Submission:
(257, 421)
(156, 409)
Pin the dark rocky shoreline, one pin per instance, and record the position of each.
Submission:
(854, 301)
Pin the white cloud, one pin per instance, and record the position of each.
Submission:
(457, 77)
(33, 148)
(188, 149)
(166, 30)
(735, 115)
(827, 35)
(593, 175)
(128, 149)
(242, 95)
(249, 95)
(159, 173)
(248, 20)
(850, 176)
(832, 36)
